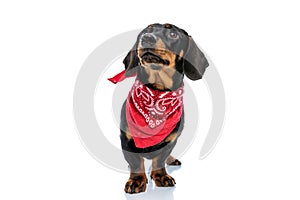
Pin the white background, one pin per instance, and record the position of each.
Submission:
(254, 45)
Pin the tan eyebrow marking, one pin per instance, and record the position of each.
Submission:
(168, 26)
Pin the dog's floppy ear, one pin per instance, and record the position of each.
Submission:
(131, 61)
(195, 63)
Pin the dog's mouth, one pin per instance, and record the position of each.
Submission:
(150, 57)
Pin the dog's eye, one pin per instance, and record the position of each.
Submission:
(173, 35)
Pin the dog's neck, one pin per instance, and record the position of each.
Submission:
(143, 77)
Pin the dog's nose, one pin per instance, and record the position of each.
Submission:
(148, 40)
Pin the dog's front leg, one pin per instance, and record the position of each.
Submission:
(137, 181)
(159, 173)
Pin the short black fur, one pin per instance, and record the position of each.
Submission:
(190, 61)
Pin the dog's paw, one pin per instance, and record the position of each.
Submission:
(136, 185)
(163, 180)
(173, 161)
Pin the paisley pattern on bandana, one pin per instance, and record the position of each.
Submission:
(152, 114)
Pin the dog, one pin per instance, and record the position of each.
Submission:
(152, 117)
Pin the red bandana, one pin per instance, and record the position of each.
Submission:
(152, 114)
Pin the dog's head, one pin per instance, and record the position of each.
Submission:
(162, 54)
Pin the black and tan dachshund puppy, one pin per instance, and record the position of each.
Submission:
(152, 117)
